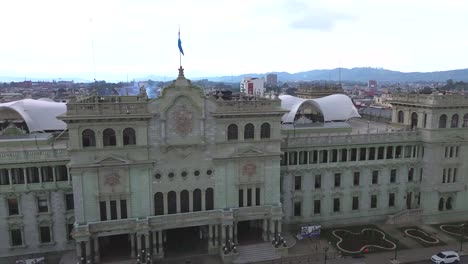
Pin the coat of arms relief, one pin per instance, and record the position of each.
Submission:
(183, 121)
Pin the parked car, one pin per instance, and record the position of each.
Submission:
(446, 257)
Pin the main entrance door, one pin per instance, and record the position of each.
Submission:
(249, 232)
(114, 248)
(186, 241)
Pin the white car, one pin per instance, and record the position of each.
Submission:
(446, 257)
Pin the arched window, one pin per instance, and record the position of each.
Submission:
(448, 203)
(129, 137)
(414, 120)
(209, 199)
(249, 131)
(441, 204)
(184, 201)
(158, 203)
(454, 122)
(443, 121)
(88, 138)
(232, 133)
(108, 137)
(465, 120)
(197, 200)
(171, 202)
(265, 130)
(401, 117)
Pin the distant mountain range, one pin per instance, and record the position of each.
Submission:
(343, 74)
(358, 75)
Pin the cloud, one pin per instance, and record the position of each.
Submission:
(304, 16)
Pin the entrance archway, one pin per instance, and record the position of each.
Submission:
(186, 241)
(114, 248)
(249, 232)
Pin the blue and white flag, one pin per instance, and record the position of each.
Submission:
(180, 45)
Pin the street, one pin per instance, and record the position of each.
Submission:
(464, 259)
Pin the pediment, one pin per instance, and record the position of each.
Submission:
(112, 159)
(250, 152)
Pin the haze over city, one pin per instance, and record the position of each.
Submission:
(139, 38)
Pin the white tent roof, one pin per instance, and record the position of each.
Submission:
(39, 115)
(336, 107)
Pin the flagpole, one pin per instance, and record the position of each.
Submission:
(180, 55)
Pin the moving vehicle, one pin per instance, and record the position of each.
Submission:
(445, 257)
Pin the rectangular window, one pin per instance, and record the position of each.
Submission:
(317, 207)
(362, 154)
(249, 197)
(456, 151)
(334, 157)
(69, 231)
(380, 154)
(425, 121)
(375, 177)
(344, 155)
(16, 238)
(408, 151)
(45, 234)
(353, 154)
(69, 204)
(324, 156)
(415, 151)
(420, 174)
(410, 174)
(303, 157)
(42, 205)
(356, 177)
(391, 200)
(297, 183)
(113, 209)
(284, 158)
(389, 152)
(318, 181)
(337, 179)
(123, 209)
(13, 208)
(297, 208)
(372, 153)
(392, 175)
(451, 152)
(443, 176)
(446, 152)
(257, 196)
(103, 210)
(422, 152)
(336, 205)
(241, 197)
(398, 152)
(292, 158)
(355, 203)
(373, 201)
(4, 179)
(454, 174)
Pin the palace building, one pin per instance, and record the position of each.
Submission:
(195, 173)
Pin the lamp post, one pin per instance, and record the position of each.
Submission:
(325, 257)
(462, 229)
(396, 249)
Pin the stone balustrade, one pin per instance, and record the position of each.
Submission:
(430, 99)
(412, 215)
(259, 105)
(115, 108)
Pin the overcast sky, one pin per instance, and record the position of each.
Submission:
(54, 38)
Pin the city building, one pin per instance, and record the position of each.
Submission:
(271, 79)
(197, 173)
(317, 90)
(253, 86)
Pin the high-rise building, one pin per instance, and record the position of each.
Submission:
(253, 86)
(271, 79)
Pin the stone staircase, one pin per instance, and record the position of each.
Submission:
(255, 253)
(412, 215)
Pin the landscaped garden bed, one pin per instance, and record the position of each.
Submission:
(454, 229)
(422, 237)
(360, 239)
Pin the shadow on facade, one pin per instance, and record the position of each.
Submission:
(186, 241)
(249, 232)
(114, 247)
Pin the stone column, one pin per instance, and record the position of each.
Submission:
(108, 209)
(245, 197)
(147, 243)
(88, 249)
(223, 235)
(254, 195)
(165, 202)
(132, 245)
(160, 243)
(138, 237)
(97, 257)
(235, 233)
(54, 174)
(203, 208)
(119, 216)
(265, 230)
(10, 178)
(190, 199)
(231, 232)
(155, 245)
(25, 178)
(279, 227)
(272, 229)
(39, 171)
(216, 235)
(79, 251)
